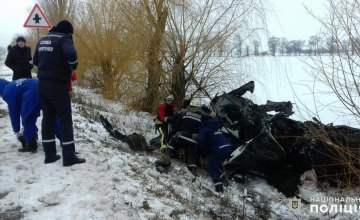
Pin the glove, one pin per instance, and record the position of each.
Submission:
(73, 76)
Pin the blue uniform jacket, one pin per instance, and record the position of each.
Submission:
(211, 140)
(187, 121)
(22, 98)
(55, 56)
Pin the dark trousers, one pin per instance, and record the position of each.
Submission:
(56, 102)
(184, 140)
(214, 163)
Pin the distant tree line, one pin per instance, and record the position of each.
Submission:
(313, 46)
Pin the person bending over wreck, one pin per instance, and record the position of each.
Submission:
(214, 146)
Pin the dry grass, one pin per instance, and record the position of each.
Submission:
(338, 160)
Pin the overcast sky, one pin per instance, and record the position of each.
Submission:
(290, 19)
(287, 18)
(13, 16)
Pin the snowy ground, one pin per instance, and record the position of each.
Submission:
(116, 183)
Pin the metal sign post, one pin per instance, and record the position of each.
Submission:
(37, 19)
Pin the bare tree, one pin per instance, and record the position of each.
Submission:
(221, 48)
(239, 45)
(289, 47)
(273, 43)
(331, 44)
(355, 45)
(195, 30)
(283, 44)
(298, 46)
(314, 44)
(256, 45)
(247, 50)
(340, 72)
(344, 46)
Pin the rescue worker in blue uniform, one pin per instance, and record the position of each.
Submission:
(23, 103)
(214, 146)
(184, 134)
(55, 56)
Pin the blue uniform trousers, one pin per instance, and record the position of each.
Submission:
(56, 102)
(29, 124)
(214, 163)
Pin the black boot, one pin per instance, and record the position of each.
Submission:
(22, 141)
(33, 146)
(75, 160)
(52, 159)
(69, 157)
(50, 153)
(192, 169)
(30, 147)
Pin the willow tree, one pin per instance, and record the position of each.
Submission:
(57, 10)
(157, 16)
(147, 19)
(107, 50)
(195, 31)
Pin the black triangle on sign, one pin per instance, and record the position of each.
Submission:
(37, 19)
